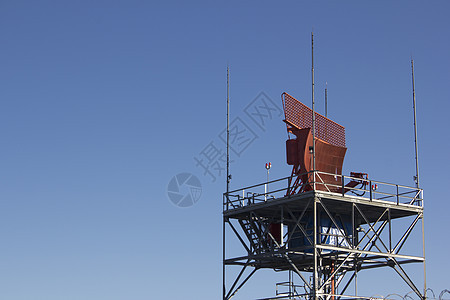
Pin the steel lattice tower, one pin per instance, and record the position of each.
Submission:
(321, 227)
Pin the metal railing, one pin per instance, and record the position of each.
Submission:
(371, 190)
(289, 289)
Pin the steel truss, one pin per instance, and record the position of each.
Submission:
(326, 240)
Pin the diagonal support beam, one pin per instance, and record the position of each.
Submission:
(231, 293)
(298, 225)
(347, 284)
(402, 240)
(372, 238)
(406, 278)
(336, 271)
(239, 236)
(334, 222)
(296, 270)
(237, 279)
(371, 227)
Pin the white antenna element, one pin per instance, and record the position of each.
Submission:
(266, 186)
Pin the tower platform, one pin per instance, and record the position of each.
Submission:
(325, 235)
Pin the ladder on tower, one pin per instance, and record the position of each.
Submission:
(254, 232)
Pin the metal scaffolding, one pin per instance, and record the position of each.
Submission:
(321, 237)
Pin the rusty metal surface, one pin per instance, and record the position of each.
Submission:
(329, 158)
(300, 116)
(330, 147)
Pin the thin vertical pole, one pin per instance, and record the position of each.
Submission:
(228, 182)
(223, 260)
(390, 230)
(282, 227)
(313, 112)
(333, 291)
(355, 242)
(326, 109)
(316, 273)
(228, 130)
(424, 261)
(416, 179)
(290, 284)
(326, 99)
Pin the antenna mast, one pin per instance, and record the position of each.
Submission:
(326, 100)
(313, 111)
(228, 130)
(228, 183)
(416, 178)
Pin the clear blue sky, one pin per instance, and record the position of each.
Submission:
(103, 102)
